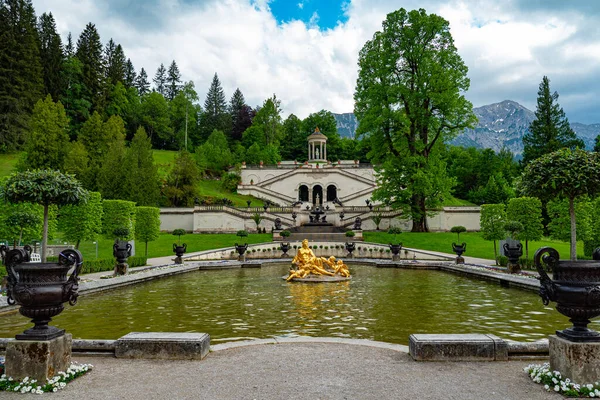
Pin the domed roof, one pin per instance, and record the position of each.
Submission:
(317, 135)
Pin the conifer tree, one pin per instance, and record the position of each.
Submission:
(142, 180)
(89, 52)
(69, 48)
(21, 77)
(141, 83)
(173, 81)
(51, 55)
(114, 63)
(550, 131)
(74, 95)
(46, 145)
(160, 80)
(215, 116)
(241, 115)
(130, 75)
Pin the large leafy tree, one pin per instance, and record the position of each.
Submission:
(52, 55)
(49, 136)
(550, 130)
(89, 52)
(21, 77)
(155, 118)
(180, 189)
(214, 156)
(563, 174)
(184, 112)
(293, 144)
(409, 100)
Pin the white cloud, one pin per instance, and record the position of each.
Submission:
(507, 49)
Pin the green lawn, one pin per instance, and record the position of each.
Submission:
(8, 162)
(454, 202)
(163, 160)
(476, 246)
(163, 246)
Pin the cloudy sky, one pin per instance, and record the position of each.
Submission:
(306, 51)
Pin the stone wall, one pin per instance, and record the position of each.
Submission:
(230, 219)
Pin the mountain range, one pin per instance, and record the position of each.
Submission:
(499, 125)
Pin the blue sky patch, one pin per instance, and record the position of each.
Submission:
(324, 13)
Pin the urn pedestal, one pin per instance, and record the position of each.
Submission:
(350, 247)
(513, 253)
(579, 362)
(241, 249)
(121, 252)
(179, 251)
(40, 359)
(395, 249)
(459, 249)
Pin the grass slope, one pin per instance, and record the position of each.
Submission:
(8, 163)
(476, 246)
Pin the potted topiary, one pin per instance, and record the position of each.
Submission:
(513, 249)
(459, 249)
(121, 250)
(178, 248)
(241, 249)
(395, 248)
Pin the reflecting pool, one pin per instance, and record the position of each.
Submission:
(379, 304)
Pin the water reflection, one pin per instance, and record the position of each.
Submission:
(379, 304)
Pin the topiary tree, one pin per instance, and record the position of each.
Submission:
(147, 224)
(285, 233)
(349, 234)
(513, 229)
(491, 222)
(179, 233)
(242, 233)
(458, 229)
(44, 187)
(118, 214)
(21, 220)
(565, 173)
(83, 221)
(527, 211)
(394, 230)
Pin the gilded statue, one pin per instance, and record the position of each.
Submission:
(308, 264)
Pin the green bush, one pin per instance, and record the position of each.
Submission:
(118, 214)
(230, 181)
(502, 261)
(285, 233)
(349, 234)
(589, 247)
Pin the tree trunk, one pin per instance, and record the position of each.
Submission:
(146, 249)
(526, 249)
(573, 229)
(77, 244)
(45, 234)
(419, 214)
(495, 252)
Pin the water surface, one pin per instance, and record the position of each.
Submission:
(379, 304)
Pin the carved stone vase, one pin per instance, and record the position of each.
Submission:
(459, 249)
(179, 251)
(575, 288)
(41, 289)
(395, 248)
(513, 253)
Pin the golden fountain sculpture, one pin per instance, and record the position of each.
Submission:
(308, 264)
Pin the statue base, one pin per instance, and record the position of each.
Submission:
(460, 260)
(577, 361)
(39, 360)
(121, 269)
(319, 278)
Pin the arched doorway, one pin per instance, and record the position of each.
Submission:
(331, 193)
(303, 193)
(317, 191)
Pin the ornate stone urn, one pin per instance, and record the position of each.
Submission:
(179, 251)
(241, 249)
(513, 253)
(285, 247)
(575, 289)
(459, 249)
(395, 248)
(350, 247)
(41, 289)
(121, 251)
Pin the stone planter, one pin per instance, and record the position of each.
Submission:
(241, 249)
(41, 289)
(350, 247)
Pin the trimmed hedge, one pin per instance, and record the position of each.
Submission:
(105, 264)
(118, 214)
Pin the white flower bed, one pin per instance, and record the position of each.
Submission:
(52, 385)
(552, 381)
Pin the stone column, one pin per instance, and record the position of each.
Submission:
(40, 360)
(579, 362)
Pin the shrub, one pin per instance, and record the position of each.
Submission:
(458, 229)
(285, 233)
(242, 233)
(502, 261)
(349, 234)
